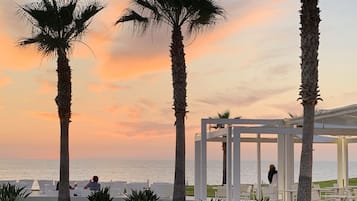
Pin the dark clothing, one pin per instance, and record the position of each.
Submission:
(271, 174)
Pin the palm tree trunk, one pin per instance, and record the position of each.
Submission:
(305, 176)
(63, 101)
(179, 85)
(309, 93)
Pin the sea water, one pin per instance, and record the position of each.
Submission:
(150, 170)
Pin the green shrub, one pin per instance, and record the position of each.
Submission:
(9, 192)
(101, 195)
(145, 195)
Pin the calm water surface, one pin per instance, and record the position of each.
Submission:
(152, 170)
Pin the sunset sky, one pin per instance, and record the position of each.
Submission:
(248, 63)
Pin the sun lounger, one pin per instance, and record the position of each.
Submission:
(25, 183)
(46, 185)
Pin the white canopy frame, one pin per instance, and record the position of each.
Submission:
(337, 126)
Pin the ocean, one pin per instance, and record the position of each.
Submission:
(149, 170)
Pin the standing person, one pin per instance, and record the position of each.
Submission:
(273, 182)
(272, 173)
(93, 184)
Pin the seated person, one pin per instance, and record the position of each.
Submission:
(93, 184)
(70, 187)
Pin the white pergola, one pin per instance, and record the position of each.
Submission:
(337, 126)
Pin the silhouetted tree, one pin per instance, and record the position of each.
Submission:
(178, 14)
(56, 25)
(224, 115)
(309, 93)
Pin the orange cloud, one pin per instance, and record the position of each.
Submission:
(47, 86)
(4, 81)
(16, 57)
(105, 87)
(127, 57)
(47, 115)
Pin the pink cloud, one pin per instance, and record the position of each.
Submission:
(128, 57)
(105, 87)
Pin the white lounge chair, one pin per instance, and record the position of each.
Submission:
(46, 185)
(80, 183)
(25, 183)
(163, 190)
(221, 193)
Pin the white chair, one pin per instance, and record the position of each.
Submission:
(26, 184)
(46, 185)
(85, 192)
(136, 186)
(163, 190)
(221, 193)
(246, 191)
(81, 183)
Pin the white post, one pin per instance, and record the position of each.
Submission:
(281, 167)
(345, 161)
(229, 163)
(203, 185)
(289, 159)
(197, 170)
(236, 168)
(339, 162)
(259, 168)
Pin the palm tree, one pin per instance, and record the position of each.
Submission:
(309, 92)
(178, 14)
(224, 115)
(56, 25)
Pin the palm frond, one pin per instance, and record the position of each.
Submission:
(45, 43)
(152, 7)
(139, 21)
(66, 13)
(81, 20)
(131, 15)
(206, 13)
(42, 18)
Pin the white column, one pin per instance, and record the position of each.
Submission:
(259, 168)
(345, 161)
(203, 185)
(236, 162)
(197, 170)
(289, 162)
(281, 166)
(229, 164)
(339, 162)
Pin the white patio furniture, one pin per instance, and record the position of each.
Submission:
(163, 190)
(26, 184)
(46, 185)
(221, 193)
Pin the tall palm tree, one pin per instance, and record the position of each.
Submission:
(224, 115)
(178, 14)
(56, 25)
(309, 92)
